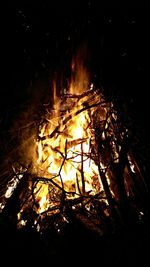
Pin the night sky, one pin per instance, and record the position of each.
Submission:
(39, 41)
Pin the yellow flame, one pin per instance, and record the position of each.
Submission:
(64, 156)
(64, 145)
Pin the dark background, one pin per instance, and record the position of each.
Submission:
(38, 40)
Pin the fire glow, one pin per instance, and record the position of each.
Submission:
(65, 143)
(66, 147)
(76, 155)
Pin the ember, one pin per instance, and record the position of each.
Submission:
(82, 163)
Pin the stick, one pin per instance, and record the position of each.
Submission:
(82, 170)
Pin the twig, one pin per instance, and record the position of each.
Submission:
(82, 170)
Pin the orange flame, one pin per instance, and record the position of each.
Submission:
(63, 154)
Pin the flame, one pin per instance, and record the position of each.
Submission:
(77, 147)
(63, 154)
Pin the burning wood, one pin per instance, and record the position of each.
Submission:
(82, 164)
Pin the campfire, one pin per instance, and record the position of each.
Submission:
(82, 164)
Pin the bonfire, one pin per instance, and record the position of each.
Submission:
(82, 164)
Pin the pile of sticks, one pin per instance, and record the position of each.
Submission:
(116, 204)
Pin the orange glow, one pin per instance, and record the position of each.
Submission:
(75, 148)
(64, 145)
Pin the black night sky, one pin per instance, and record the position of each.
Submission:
(38, 42)
(40, 39)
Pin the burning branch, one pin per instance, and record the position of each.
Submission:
(82, 170)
